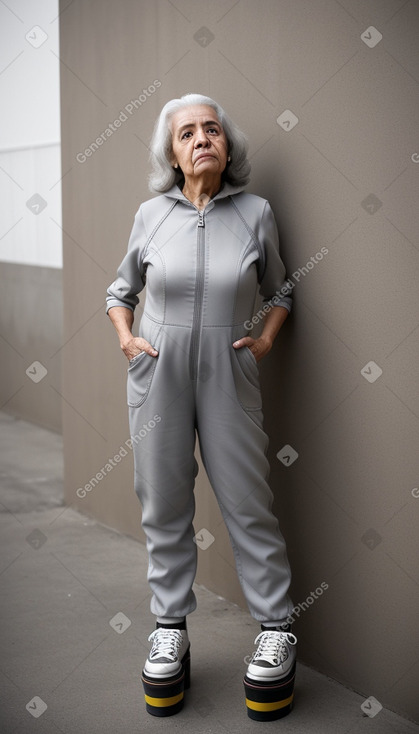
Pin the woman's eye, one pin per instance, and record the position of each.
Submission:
(209, 129)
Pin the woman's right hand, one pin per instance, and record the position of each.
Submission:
(135, 345)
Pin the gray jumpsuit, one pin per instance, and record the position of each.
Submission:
(203, 270)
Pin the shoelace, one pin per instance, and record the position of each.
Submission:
(166, 643)
(273, 646)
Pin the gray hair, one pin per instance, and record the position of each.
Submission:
(163, 175)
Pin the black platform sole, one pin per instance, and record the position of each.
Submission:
(267, 701)
(165, 696)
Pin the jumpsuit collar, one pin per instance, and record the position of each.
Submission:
(227, 189)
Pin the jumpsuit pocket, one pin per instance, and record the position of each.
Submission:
(134, 359)
(140, 374)
(246, 377)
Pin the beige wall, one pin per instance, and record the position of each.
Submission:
(31, 336)
(346, 504)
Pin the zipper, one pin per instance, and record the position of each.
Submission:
(199, 293)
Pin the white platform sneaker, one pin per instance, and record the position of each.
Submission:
(269, 680)
(274, 656)
(166, 673)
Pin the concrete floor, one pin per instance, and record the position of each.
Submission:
(64, 577)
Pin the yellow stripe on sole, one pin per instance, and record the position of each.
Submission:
(162, 702)
(258, 706)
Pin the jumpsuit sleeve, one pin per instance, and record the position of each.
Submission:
(274, 288)
(131, 273)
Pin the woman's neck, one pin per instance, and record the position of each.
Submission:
(199, 192)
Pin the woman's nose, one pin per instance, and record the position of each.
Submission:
(201, 140)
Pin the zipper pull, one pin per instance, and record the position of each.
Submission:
(201, 222)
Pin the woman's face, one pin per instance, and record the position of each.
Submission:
(199, 144)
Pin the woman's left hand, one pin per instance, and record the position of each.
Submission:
(259, 347)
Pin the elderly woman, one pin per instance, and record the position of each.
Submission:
(204, 247)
